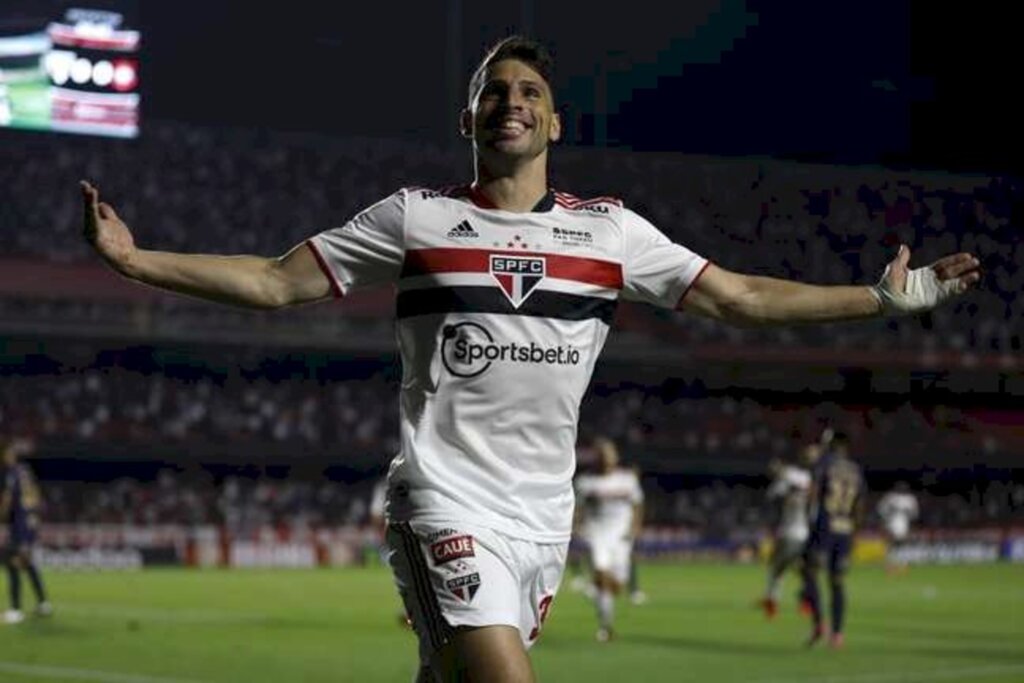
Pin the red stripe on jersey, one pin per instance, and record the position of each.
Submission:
(570, 202)
(682, 297)
(335, 287)
(449, 260)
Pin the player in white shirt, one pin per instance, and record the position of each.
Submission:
(609, 518)
(506, 289)
(790, 487)
(897, 508)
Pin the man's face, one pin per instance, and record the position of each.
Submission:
(513, 114)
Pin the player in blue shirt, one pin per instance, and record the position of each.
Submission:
(20, 502)
(836, 507)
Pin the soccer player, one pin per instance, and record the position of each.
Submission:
(790, 486)
(610, 514)
(637, 596)
(897, 508)
(836, 504)
(505, 293)
(20, 501)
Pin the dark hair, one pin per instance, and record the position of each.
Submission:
(520, 48)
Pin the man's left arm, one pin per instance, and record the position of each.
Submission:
(757, 300)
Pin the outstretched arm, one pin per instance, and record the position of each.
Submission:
(754, 300)
(249, 281)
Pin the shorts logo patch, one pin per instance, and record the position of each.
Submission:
(450, 549)
(465, 587)
(518, 275)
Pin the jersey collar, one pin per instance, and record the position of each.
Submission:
(473, 193)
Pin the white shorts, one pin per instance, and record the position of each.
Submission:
(611, 555)
(451, 574)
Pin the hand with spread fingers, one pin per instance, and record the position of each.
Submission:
(105, 231)
(903, 291)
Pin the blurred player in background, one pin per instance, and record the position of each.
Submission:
(897, 509)
(836, 507)
(505, 294)
(636, 595)
(20, 504)
(609, 519)
(789, 489)
(376, 513)
(377, 540)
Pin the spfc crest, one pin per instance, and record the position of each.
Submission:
(518, 275)
(465, 587)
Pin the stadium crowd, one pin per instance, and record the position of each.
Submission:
(716, 507)
(266, 415)
(231, 191)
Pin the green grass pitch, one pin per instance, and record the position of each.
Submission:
(190, 626)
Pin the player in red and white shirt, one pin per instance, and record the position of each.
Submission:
(609, 517)
(505, 293)
(790, 488)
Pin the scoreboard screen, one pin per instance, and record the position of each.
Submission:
(70, 68)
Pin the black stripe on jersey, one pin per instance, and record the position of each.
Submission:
(540, 304)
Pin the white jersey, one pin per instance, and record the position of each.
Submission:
(897, 510)
(606, 503)
(792, 487)
(500, 319)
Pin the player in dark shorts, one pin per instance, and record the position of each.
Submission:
(20, 502)
(836, 504)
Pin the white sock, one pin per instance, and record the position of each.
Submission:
(605, 608)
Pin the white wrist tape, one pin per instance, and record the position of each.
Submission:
(924, 292)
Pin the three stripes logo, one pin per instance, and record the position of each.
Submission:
(462, 231)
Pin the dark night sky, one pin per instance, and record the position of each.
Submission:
(871, 82)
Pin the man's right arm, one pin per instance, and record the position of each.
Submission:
(248, 281)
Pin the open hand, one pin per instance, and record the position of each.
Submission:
(105, 231)
(903, 290)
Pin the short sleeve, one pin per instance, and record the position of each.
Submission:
(366, 251)
(657, 270)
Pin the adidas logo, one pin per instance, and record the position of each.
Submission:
(463, 229)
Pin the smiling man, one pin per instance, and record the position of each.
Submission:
(506, 290)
